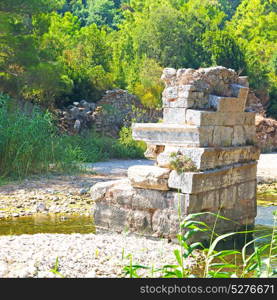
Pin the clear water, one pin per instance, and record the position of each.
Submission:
(51, 223)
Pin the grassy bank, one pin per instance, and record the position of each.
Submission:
(30, 144)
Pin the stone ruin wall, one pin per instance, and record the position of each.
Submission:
(205, 124)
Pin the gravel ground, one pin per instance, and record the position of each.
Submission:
(267, 168)
(81, 255)
(65, 194)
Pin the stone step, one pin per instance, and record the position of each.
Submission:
(226, 104)
(210, 158)
(194, 136)
(239, 91)
(206, 118)
(120, 207)
(149, 177)
(194, 183)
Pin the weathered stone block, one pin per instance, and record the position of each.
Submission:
(210, 158)
(207, 118)
(228, 197)
(193, 136)
(153, 151)
(165, 223)
(222, 136)
(178, 102)
(121, 219)
(247, 190)
(162, 134)
(174, 115)
(207, 201)
(226, 104)
(250, 134)
(239, 91)
(239, 136)
(149, 199)
(169, 76)
(149, 177)
(99, 190)
(193, 183)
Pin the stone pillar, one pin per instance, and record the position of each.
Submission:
(205, 157)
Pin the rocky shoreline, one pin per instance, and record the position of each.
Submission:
(54, 194)
(82, 255)
(79, 255)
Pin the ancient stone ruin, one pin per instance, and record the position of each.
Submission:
(205, 157)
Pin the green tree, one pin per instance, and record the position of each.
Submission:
(88, 62)
(254, 28)
(18, 48)
(223, 50)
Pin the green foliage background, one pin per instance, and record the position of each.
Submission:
(56, 51)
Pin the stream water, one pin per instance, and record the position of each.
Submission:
(52, 223)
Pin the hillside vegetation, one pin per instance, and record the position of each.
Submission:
(55, 52)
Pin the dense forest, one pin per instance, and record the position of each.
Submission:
(53, 52)
(57, 52)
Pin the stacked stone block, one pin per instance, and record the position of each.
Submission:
(204, 121)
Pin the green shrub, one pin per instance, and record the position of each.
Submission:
(95, 147)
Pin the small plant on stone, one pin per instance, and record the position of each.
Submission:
(181, 163)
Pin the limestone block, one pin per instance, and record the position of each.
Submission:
(239, 136)
(153, 151)
(250, 134)
(222, 136)
(170, 93)
(210, 158)
(169, 76)
(146, 199)
(226, 104)
(149, 177)
(207, 201)
(191, 135)
(228, 197)
(249, 118)
(239, 91)
(165, 223)
(140, 221)
(121, 193)
(121, 219)
(179, 102)
(108, 216)
(174, 115)
(207, 118)
(247, 190)
(99, 189)
(163, 134)
(193, 183)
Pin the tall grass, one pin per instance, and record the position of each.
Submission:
(94, 147)
(31, 144)
(229, 263)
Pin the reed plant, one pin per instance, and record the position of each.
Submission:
(261, 262)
